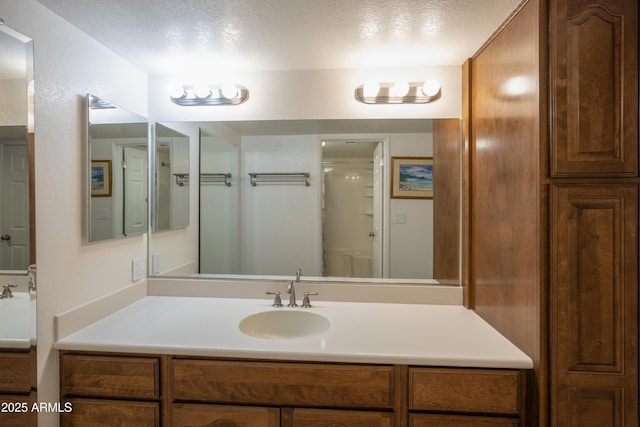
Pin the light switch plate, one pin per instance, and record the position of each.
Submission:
(137, 269)
(399, 217)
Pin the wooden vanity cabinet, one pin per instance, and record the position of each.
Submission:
(107, 390)
(18, 387)
(178, 391)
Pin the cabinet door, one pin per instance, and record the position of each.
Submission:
(110, 376)
(489, 391)
(294, 417)
(109, 413)
(594, 305)
(282, 384)
(17, 370)
(437, 420)
(197, 415)
(16, 411)
(594, 87)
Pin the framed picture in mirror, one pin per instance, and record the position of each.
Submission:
(412, 177)
(101, 178)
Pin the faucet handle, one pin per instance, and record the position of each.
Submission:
(277, 302)
(6, 290)
(306, 303)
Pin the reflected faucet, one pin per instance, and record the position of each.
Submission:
(298, 274)
(6, 291)
(292, 294)
(33, 280)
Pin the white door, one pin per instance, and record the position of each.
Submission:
(377, 210)
(14, 210)
(135, 191)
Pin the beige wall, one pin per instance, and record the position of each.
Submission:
(69, 64)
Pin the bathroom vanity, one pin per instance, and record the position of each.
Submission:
(184, 361)
(17, 360)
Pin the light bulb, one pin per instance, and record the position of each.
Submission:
(371, 89)
(202, 91)
(177, 91)
(431, 87)
(229, 90)
(400, 88)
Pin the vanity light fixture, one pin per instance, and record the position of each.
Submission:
(400, 92)
(209, 94)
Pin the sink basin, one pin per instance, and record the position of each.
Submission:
(284, 324)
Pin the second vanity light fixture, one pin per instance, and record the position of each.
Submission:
(400, 92)
(209, 94)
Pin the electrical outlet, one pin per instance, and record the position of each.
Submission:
(137, 269)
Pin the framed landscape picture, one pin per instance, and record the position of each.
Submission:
(412, 177)
(101, 178)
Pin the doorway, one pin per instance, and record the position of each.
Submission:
(352, 194)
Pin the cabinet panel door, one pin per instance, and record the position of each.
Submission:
(107, 376)
(594, 304)
(437, 420)
(17, 411)
(294, 417)
(198, 415)
(594, 87)
(465, 390)
(109, 413)
(282, 384)
(16, 372)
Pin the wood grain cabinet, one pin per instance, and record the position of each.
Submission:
(172, 391)
(107, 390)
(18, 388)
(593, 63)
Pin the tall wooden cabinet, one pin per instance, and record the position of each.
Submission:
(550, 248)
(594, 212)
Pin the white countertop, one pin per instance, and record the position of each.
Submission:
(18, 321)
(442, 335)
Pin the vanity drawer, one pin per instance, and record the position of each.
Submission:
(294, 417)
(106, 376)
(282, 384)
(107, 413)
(199, 415)
(17, 372)
(438, 420)
(492, 391)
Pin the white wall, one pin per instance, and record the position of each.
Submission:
(282, 216)
(69, 64)
(411, 243)
(178, 249)
(13, 102)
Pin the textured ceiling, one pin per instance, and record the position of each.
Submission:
(171, 36)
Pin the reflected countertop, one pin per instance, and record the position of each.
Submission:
(18, 321)
(443, 335)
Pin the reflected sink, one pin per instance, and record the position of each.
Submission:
(284, 324)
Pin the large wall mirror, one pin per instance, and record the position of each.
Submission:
(117, 171)
(276, 196)
(17, 191)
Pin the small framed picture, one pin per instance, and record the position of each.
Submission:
(101, 178)
(412, 177)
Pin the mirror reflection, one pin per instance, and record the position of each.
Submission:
(17, 194)
(171, 171)
(343, 224)
(117, 165)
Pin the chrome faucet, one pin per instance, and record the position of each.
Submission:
(292, 294)
(6, 291)
(298, 274)
(33, 278)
